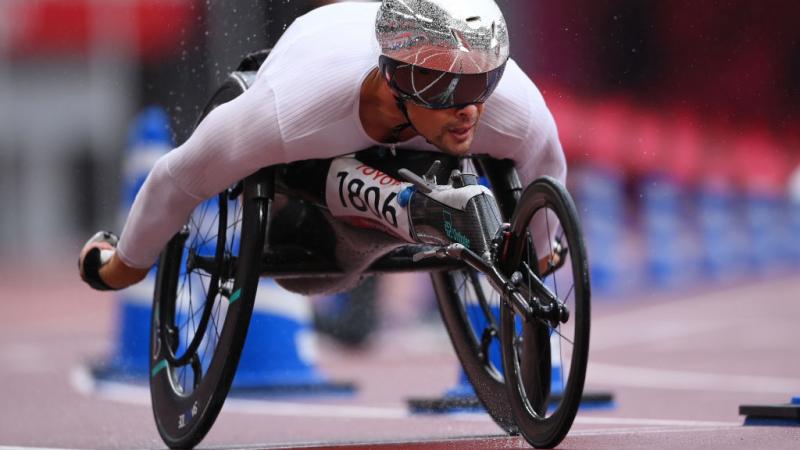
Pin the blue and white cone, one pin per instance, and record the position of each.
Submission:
(280, 354)
(149, 139)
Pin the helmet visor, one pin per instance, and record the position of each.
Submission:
(435, 89)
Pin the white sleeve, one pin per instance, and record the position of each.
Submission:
(540, 152)
(232, 142)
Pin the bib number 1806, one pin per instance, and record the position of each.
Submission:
(352, 193)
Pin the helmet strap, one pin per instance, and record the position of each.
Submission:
(395, 137)
(403, 126)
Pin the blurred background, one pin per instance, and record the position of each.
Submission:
(680, 120)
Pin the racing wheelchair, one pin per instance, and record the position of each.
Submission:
(507, 264)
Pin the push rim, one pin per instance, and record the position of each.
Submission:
(203, 290)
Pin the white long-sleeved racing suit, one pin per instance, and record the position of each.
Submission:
(303, 104)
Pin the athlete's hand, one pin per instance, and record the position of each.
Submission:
(96, 253)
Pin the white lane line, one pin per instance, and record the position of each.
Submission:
(632, 431)
(132, 394)
(140, 395)
(274, 408)
(591, 420)
(689, 381)
(3, 447)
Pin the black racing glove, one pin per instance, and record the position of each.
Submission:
(96, 258)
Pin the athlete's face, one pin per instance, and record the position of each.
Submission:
(451, 130)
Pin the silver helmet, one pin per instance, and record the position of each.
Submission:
(456, 36)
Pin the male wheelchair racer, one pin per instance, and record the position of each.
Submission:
(519, 252)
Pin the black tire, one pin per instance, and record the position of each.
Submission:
(205, 289)
(470, 309)
(545, 417)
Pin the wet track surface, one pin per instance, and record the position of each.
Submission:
(679, 365)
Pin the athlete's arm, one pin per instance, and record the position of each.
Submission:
(235, 140)
(541, 154)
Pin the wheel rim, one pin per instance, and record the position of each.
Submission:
(559, 340)
(546, 362)
(203, 288)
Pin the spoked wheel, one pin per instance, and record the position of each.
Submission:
(545, 360)
(206, 283)
(470, 309)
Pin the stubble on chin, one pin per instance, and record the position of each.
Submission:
(459, 150)
(456, 149)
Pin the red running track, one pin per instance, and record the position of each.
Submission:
(679, 366)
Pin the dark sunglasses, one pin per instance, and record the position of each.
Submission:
(435, 89)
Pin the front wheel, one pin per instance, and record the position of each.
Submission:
(545, 362)
(205, 289)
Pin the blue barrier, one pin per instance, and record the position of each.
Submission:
(794, 232)
(600, 199)
(722, 244)
(764, 219)
(669, 259)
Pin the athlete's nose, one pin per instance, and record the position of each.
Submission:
(468, 113)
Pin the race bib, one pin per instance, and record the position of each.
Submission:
(366, 197)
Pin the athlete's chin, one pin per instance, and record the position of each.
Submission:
(456, 147)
